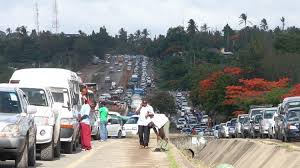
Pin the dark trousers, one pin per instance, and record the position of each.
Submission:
(144, 133)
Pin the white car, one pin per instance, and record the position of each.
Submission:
(131, 127)
(47, 120)
(115, 128)
(268, 122)
(216, 130)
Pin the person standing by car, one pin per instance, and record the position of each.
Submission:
(85, 129)
(162, 123)
(144, 111)
(103, 113)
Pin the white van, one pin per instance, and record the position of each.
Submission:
(47, 120)
(64, 86)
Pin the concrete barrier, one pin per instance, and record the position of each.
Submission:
(240, 153)
(243, 153)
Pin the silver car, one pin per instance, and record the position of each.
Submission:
(17, 127)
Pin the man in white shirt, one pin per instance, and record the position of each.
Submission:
(162, 123)
(144, 111)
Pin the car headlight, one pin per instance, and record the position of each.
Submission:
(11, 130)
(40, 121)
(67, 122)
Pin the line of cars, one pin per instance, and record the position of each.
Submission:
(281, 122)
(188, 123)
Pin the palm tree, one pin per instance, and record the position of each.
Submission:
(8, 30)
(204, 27)
(264, 24)
(244, 20)
(282, 19)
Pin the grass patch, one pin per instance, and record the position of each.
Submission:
(171, 158)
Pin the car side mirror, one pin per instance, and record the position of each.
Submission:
(31, 109)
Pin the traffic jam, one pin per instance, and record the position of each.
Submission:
(39, 110)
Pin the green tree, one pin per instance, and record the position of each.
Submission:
(264, 24)
(167, 106)
(282, 19)
(192, 27)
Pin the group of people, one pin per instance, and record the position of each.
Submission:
(149, 120)
(85, 128)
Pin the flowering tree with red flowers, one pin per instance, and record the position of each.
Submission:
(252, 91)
(212, 89)
(295, 91)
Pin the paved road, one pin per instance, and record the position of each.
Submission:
(116, 153)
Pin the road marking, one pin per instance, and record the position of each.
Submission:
(88, 155)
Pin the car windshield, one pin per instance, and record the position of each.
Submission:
(257, 118)
(293, 115)
(268, 114)
(293, 104)
(254, 112)
(132, 120)
(241, 119)
(217, 127)
(36, 97)
(228, 124)
(9, 103)
(233, 122)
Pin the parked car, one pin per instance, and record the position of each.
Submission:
(255, 111)
(216, 130)
(238, 126)
(115, 127)
(254, 129)
(223, 131)
(245, 127)
(131, 127)
(18, 130)
(187, 131)
(231, 127)
(290, 128)
(47, 120)
(266, 127)
(198, 128)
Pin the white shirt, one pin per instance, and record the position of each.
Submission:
(159, 120)
(143, 112)
(85, 110)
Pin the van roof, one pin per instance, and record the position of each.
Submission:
(55, 77)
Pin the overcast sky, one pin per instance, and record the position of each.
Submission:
(155, 15)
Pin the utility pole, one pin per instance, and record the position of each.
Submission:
(37, 23)
(55, 17)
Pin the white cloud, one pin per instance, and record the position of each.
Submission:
(155, 15)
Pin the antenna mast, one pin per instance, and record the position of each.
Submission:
(37, 23)
(55, 19)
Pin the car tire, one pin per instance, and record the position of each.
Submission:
(120, 134)
(47, 151)
(68, 147)
(57, 149)
(32, 153)
(22, 160)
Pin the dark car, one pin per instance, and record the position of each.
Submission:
(255, 123)
(231, 127)
(290, 128)
(186, 131)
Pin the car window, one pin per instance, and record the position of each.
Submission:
(36, 97)
(9, 103)
(293, 104)
(132, 120)
(268, 114)
(257, 118)
(255, 112)
(293, 115)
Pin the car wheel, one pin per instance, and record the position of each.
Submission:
(68, 147)
(22, 159)
(32, 153)
(120, 134)
(57, 148)
(47, 151)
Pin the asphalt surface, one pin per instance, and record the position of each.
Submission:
(115, 153)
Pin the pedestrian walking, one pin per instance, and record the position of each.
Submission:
(85, 129)
(103, 113)
(144, 111)
(160, 124)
